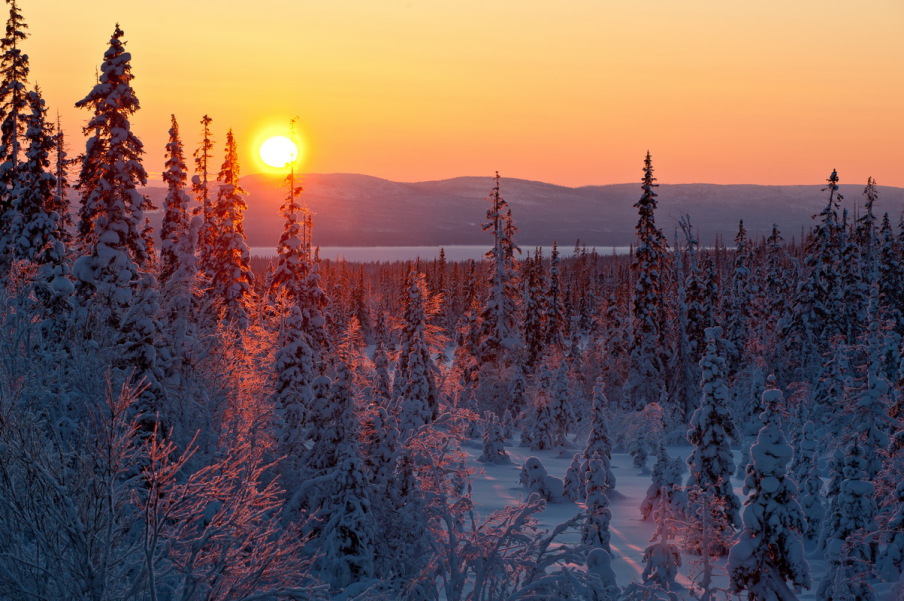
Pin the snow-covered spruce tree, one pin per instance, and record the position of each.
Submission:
(738, 304)
(774, 305)
(870, 415)
(497, 338)
(574, 353)
(561, 406)
(292, 260)
(111, 166)
(535, 310)
(13, 104)
(805, 470)
(517, 393)
(697, 305)
(817, 302)
(111, 285)
(852, 509)
(711, 293)
(834, 381)
(416, 408)
(770, 553)
(664, 484)
(616, 342)
(180, 311)
(350, 348)
(540, 427)
(328, 427)
(380, 448)
(175, 223)
(598, 444)
(178, 267)
(649, 355)
(402, 519)
(314, 301)
(853, 281)
(641, 431)
(382, 383)
(231, 278)
(294, 373)
(595, 530)
(347, 537)
(847, 578)
(61, 163)
(360, 307)
(866, 230)
(493, 442)
(200, 187)
(891, 275)
(111, 170)
(806, 451)
(686, 359)
(415, 379)
(812, 503)
(556, 317)
(662, 558)
(507, 424)
(711, 431)
(573, 483)
(464, 359)
(33, 225)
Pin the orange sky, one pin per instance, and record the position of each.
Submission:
(571, 92)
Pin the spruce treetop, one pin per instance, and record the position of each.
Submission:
(111, 167)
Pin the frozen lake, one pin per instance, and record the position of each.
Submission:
(364, 254)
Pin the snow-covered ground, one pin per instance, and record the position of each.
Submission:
(495, 486)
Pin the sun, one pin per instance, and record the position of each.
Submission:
(279, 151)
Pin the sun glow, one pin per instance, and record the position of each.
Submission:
(279, 151)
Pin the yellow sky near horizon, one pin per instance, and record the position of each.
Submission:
(572, 93)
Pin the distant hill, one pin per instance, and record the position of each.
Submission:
(359, 210)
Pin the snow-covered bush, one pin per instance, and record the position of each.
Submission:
(536, 480)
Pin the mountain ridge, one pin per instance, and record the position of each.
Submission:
(354, 209)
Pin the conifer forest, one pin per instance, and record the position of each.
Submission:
(181, 420)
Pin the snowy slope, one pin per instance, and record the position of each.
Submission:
(497, 485)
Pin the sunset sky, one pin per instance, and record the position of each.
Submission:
(571, 92)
